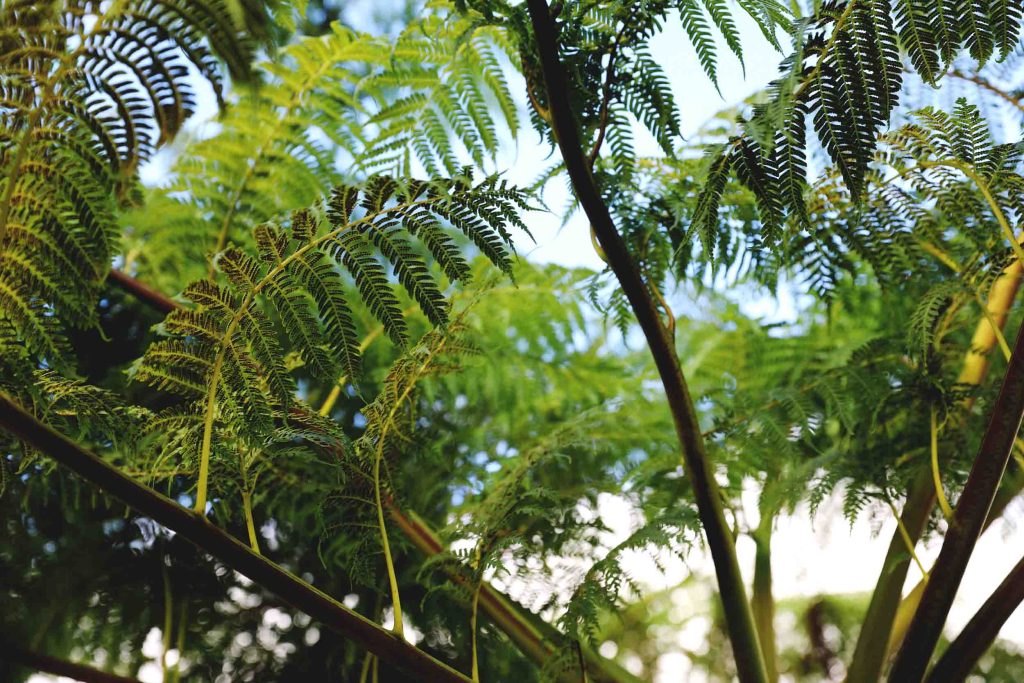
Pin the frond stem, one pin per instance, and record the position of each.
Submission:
(909, 542)
(396, 598)
(473, 612)
(965, 528)
(738, 616)
(940, 495)
(168, 620)
(250, 525)
(960, 658)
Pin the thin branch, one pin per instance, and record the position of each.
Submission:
(738, 616)
(58, 667)
(143, 292)
(963, 653)
(968, 521)
(231, 552)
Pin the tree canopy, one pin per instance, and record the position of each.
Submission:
(305, 408)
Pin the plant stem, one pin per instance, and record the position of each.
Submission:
(762, 602)
(908, 541)
(972, 509)
(738, 616)
(940, 495)
(396, 599)
(179, 644)
(364, 673)
(959, 659)
(235, 555)
(249, 524)
(58, 667)
(869, 654)
(168, 620)
(473, 611)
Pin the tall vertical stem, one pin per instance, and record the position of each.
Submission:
(762, 601)
(738, 616)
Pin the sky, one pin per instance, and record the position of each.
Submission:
(811, 556)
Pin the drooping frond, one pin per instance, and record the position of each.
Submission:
(224, 355)
(88, 92)
(441, 97)
(333, 108)
(845, 75)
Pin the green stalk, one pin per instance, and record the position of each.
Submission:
(364, 673)
(168, 621)
(968, 521)
(396, 599)
(473, 612)
(762, 602)
(249, 524)
(180, 640)
(940, 495)
(870, 652)
(699, 470)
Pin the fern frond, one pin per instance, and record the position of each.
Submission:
(228, 346)
(90, 92)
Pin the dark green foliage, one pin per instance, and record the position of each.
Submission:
(224, 355)
(89, 92)
(846, 76)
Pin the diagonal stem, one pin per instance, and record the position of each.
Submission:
(227, 549)
(963, 653)
(968, 521)
(58, 667)
(738, 616)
